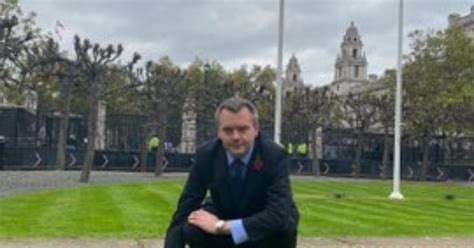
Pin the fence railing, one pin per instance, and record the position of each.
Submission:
(43, 158)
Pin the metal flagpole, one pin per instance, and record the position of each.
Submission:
(277, 128)
(396, 194)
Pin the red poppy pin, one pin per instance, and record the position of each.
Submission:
(257, 164)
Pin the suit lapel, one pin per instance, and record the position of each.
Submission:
(221, 177)
(251, 181)
(252, 177)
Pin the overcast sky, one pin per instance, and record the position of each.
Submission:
(236, 32)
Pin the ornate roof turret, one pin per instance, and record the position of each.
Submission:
(293, 65)
(351, 63)
(293, 78)
(351, 38)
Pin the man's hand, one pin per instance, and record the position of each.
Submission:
(204, 220)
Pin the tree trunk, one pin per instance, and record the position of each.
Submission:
(144, 149)
(426, 152)
(447, 151)
(358, 155)
(314, 151)
(386, 153)
(161, 161)
(63, 126)
(91, 133)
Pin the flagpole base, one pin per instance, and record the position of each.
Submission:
(396, 195)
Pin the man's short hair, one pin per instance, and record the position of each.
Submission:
(234, 105)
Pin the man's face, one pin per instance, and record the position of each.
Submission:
(237, 131)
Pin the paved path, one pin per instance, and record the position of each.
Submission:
(12, 182)
(302, 243)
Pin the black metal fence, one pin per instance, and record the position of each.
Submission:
(449, 158)
(42, 158)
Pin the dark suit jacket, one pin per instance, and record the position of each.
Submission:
(267, 205)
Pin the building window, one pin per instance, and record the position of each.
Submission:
(356, 71)
(339, 72)
(295, 77)
(354, 53)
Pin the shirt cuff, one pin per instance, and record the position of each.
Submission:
(239, 235)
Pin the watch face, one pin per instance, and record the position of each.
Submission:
(220, 225)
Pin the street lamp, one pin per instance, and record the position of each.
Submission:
(207, 68)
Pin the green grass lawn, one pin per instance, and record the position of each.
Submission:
(327, 207)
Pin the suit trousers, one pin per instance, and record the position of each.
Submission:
(197, 238)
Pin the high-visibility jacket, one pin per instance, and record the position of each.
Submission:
(290, 148)
(302, 149)
(153, 143)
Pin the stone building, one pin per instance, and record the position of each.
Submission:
(466, 22)
(29, 100)
(350, 69)
(292, 79)
(188, 129)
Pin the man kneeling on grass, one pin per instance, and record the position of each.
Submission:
(251, 203)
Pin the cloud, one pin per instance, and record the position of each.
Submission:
(236, 32)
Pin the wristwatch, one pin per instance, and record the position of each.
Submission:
(220, 226)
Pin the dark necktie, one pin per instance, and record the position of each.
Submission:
(237, 169)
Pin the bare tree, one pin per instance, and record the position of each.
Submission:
(359, 112)
(158, 81)
(94, 64)
(69, 80)
(308, 110)
(13, 45)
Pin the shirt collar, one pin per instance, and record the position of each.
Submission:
(245, 158)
